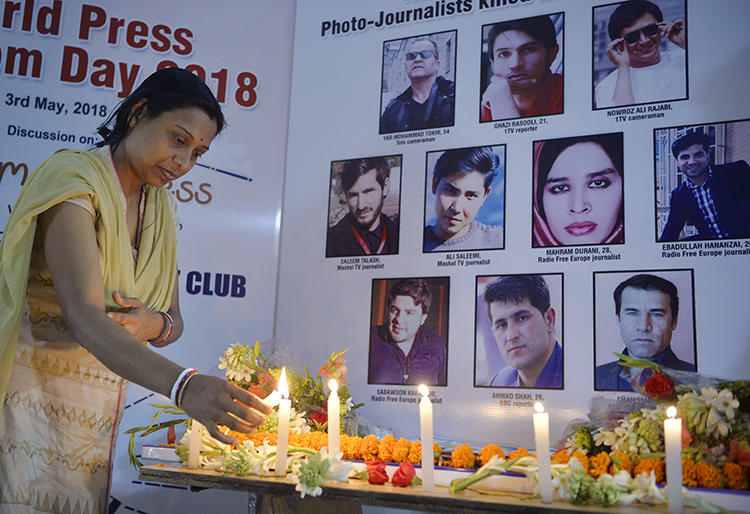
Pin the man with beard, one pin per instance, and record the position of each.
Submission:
(430, 100)
(365, 230)
(521, 53)
(643, 73)
(403, 351)
(523, 324)
(714, 198)
(646, 307)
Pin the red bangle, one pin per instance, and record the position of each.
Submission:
(168, 326)
(183, 386)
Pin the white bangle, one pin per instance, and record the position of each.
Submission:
(177, 383)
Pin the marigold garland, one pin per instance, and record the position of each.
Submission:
(520, 452)
(415, 452)
(486, 453)
(689, 472)
(463, 457)
(655, 464)
(385, 450)
(560, 457)
(401, 450)
(598, 464)
(709, 476)
(735, 475)
(370, 447)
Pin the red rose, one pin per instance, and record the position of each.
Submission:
(376, 472)
(403, 475)
(659, 387)
(319, 416)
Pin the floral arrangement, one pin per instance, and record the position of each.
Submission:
(247, 367)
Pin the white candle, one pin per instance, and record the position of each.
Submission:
(194, 446)
(541, 437)
(282, 439)
(334, 424)
(673, 445)
(425, 429)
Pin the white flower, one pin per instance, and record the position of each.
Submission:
(337, 469)
(303, 488)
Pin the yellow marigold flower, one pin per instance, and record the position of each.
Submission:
(463, 457)
(385, 450)
(689, 472)
(624, 463)
(415, 452)
(318, 440)
(598, 464)
(560, 457)
(348, 446)
(655, 464)
(709, 476)
(370, 447)
(488, 451)
(401, 450)
(582, 458)
(735, 475)
(521, 452)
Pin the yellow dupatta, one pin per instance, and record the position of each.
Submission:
(64, 175)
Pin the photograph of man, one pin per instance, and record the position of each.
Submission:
(364, 206)
(578, 191)
(522, 323)
(646, 308)
(713, 198)
(418, 91)
(643, 60)
(464, 199)
(408, 338)
(522, 55)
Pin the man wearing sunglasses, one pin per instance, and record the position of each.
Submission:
(430, 100)
(643, 73)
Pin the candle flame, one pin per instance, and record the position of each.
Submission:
(671, 411)
(283, 386)
(333, 386)
(538, 407)
(423, 390)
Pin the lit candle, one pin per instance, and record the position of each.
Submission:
(194, 447)
(541, 437)
(673, 445)
(425, 428)
(282, 439)
(333, 418)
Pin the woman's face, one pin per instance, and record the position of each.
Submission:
(582, 195)
(163, 148)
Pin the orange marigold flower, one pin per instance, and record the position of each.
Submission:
(560, 457)
(623, 462)
(598, 464)
(258, 438)
(415, 452)
(709, 476)
(488, 451)
(401, 450)
(689, 472)
(436, 452)
(655, 464)
(463, 457)
(521, 452)
(370, 447)
(318, 440)
(385, 450)
(582, 458)
(735, 475)
(350, 446)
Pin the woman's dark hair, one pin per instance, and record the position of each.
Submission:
(551, 150)
(164, 90)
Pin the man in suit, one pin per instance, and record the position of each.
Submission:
(646, 307)
(714, 198)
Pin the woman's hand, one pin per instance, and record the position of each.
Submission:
(140, 321)
(212, 400)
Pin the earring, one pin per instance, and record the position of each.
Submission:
(132, 122)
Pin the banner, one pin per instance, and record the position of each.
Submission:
(559, 207)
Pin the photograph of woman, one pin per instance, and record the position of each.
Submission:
(578, 191)
(88, 276)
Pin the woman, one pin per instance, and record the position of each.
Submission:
(578, 188)
(87, 275)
